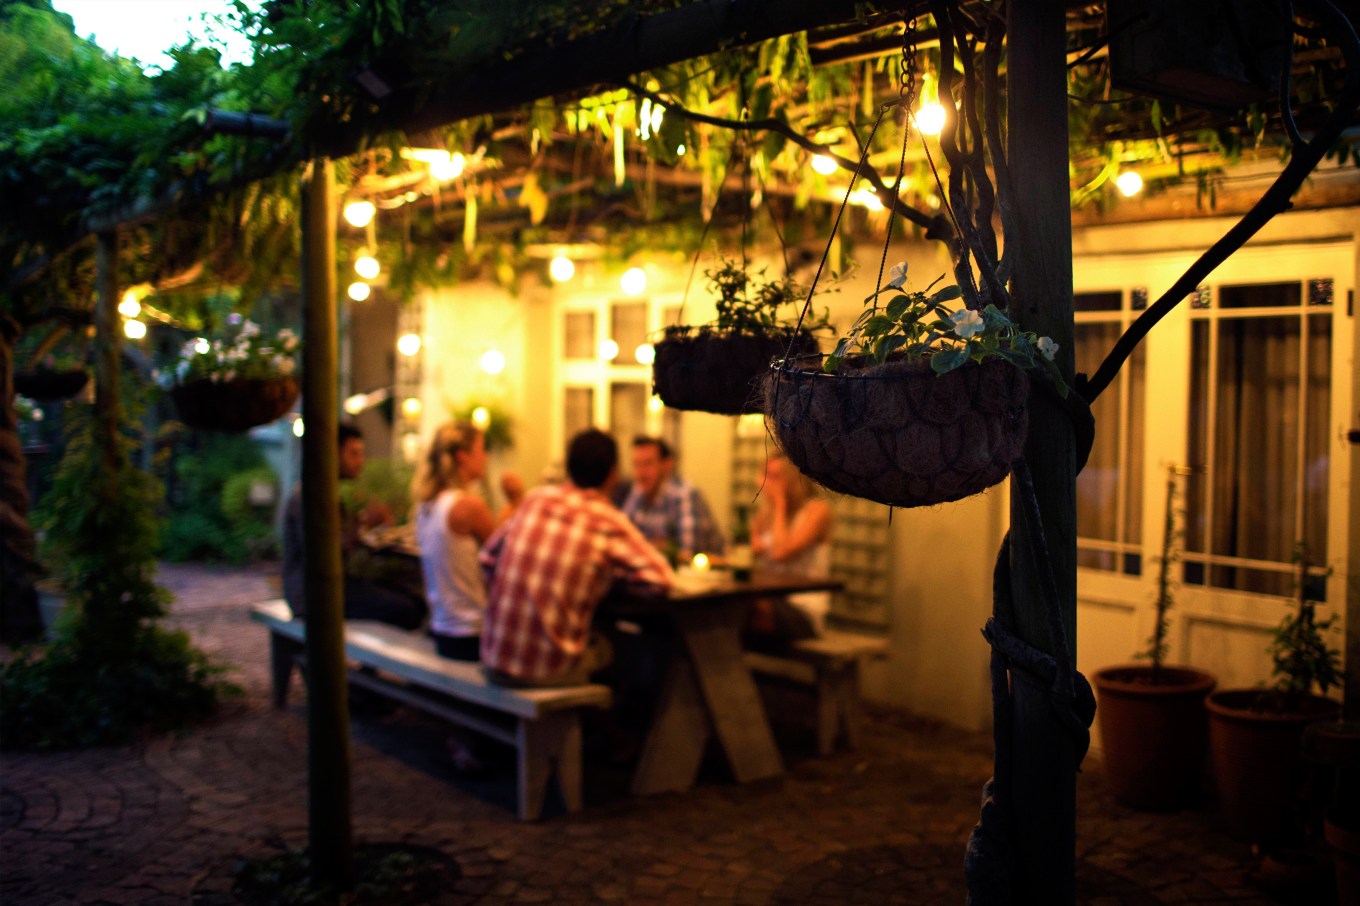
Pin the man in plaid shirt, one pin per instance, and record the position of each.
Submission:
(548, 568)
(668, 510)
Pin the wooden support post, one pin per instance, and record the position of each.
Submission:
(1044, 768)
(328, 740)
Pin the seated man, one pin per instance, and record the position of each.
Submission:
(669, 511)
(548, 568)
(364, 598)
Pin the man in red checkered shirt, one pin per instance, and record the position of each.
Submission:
(548, 568)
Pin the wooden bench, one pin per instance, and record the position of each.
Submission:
(829, 664)
(543, 725)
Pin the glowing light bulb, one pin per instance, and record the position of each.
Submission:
(824, 165)
(129, 307)
(700, 562)
(634, 281)
(609, 350)
(359, 291)
(298, 428)
(867, 198)
(201, 346)
(679, 150)
(645, 354)
(930, 119)
(445, 170)
(134, 329)
(481, 418)
(1129, 183)
(411, 406)
(493, 361)
(360, 213)
(356, 403)
(561, 268)
(655, 405)
(408, 344)
(367, 267)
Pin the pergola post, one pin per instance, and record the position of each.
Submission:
(1044, 763)
(328, 739)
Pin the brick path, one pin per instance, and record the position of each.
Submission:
(166, 821)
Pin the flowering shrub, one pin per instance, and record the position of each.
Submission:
(245, 352)
(914, 325)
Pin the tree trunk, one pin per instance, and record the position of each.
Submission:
(19, 568)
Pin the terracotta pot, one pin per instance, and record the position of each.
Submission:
(1155, 736)
(43, 384)
(1257, 762)
(236, 405)
(898, 433)
(706, 372)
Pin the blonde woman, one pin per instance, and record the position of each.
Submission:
(452, 523)
(791, 532)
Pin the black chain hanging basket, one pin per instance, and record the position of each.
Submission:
(47, 384)
(234, 406)
(898, 433)
(705, 371)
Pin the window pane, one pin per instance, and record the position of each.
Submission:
(1107, 301)
(1261, 295)
(627, 412)
(1136, 369)
(1196, 483)
(580, 335)
(580, 410)
(628, 328)
(1098, 483)
(1317, 416)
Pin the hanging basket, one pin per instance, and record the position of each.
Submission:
(236, 405)
(45, 384)
(898, 433)
(709, 372)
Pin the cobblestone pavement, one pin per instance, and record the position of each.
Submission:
(168, 820)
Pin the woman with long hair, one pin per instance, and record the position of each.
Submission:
(452, 523)
(791, 532)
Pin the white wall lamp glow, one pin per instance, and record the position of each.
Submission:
(930, 119)
(561, 268)
(360, 213)
(367, 267)
(135, 330)
(824, 165)
(359, 291)
(1129, 183)
(645, 354)
(408, 344)
(609, 350)
(634, 281)
(493, 361)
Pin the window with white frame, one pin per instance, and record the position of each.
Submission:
(1110, 488)
(1260, 397)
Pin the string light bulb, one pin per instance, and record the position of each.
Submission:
(408, 344)
(561, 268)
(129, 307)
(359, 291)
(411, 406)
(360, 213)
(135, 330)
(1129, 183)
(481, 418)
(930, 119)
(493, 361)
(645, 354)
(824, 165)
(634, 281)
(609, 350)
(367, 267)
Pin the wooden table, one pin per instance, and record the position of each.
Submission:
(708, 689)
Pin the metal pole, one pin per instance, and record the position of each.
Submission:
(1044, 766)
(328, 741)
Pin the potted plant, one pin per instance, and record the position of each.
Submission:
(1152, 719)
(917, 405)
(54, 367)
(1255, 735)
(714, 367)
(235, 382)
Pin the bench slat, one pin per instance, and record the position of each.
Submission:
(413, 658)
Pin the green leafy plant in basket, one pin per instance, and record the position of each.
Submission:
(713, 367)
(1301, 655)
(918, 403)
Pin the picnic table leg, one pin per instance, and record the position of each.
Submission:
(674, 746)
(713, 639)
(837, 704)
(283, 653)
(552, 740)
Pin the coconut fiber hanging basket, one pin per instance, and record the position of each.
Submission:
(898, 433)
(46, 384)
(236, 405)
(706, 371)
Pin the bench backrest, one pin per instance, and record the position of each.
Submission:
(411, 656)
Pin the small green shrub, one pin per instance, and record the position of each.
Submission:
(210, 514)
(386, 481)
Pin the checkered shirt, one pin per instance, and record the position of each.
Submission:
(678, 514)
(548, 568)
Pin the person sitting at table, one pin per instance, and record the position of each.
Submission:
(790, 533)
(364, 598)
(452, 523)
(670, 512)
(549, 567)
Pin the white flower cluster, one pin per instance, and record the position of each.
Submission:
(246, 354)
